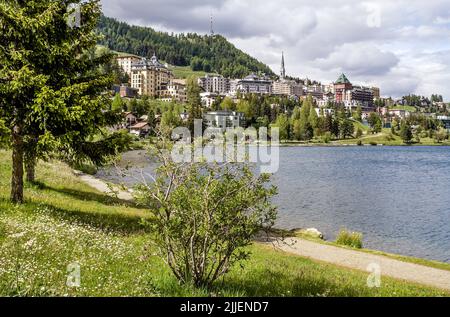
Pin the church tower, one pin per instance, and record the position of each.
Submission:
(283, 69)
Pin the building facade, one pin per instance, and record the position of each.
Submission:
(208, 98)
(445, 121)
(174, 91)
(362, 96)
(353, 96)
(126, 61)
(223, 120)
(376, 93)
(341, 88)
(285, 87)
(125, 91)
(214, 84)
(252, 84)
(150, 77)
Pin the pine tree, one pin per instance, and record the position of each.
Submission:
(358, 114)
(406, 132)
(328, 123)
(313, 118)
(306, 129)
(283, 124)
(194, 102)
(51, 90)
(346, 128)
(118, 104)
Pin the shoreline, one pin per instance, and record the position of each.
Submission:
(126, 195)
(368, 262)
(363, 145)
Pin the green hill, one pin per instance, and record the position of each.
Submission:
(202, 53)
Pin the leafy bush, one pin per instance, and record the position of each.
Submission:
(359, 143)
(390, 137)
(359, 133)
(203, 215)
(326, 138)
(351, 239)
(441, 135)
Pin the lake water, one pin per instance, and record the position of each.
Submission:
(398, 197)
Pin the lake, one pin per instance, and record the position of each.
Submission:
(398, 197)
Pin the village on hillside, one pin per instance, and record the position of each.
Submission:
(151, 78)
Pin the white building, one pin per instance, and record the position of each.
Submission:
(175, 91)
(446, 121)
(224, 120)
(402, 114)
(125, 61)
(208, 99)
(252, 84)
(150, 77)
(215, 84)
(140, 129)
(324, 111)
(287, 88)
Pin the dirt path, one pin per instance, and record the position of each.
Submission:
(363, 261)
(347, 258)
(103, 187)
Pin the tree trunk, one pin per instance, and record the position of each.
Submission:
(17, 165)
(30, 166)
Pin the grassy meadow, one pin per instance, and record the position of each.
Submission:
(66, 222)
(184, 72)
(388, 139)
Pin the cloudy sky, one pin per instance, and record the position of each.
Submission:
(402, 46)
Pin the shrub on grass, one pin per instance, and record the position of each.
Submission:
(204, 215)
(390, 137)
(326, 138)
(351, 239)
(359, 133)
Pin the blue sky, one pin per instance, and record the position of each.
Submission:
(402, 46)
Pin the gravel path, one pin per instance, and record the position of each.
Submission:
(103, 187)
(364, 261)
(347, 258)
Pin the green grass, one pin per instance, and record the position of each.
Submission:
(388, 139)
(406, 108)
(361, 126)
(350, 239)
(64, 221)
(185, 72)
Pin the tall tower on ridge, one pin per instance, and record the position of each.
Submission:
(212, 26)
(283, 68)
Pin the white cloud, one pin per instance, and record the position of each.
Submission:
(359, 59)
(401, 46)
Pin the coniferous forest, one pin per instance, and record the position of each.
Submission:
(201, 52)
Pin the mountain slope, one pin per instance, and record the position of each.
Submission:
(200, 52)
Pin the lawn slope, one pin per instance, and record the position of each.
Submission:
(64, 222)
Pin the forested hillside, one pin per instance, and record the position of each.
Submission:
(200, 52)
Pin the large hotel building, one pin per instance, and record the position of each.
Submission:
(150, 77)
(353, 96)
(126, 60)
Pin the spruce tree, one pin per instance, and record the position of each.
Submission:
(406, 132)
(118, 104)
(194, 102)
(306, 129)
(51, 89)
